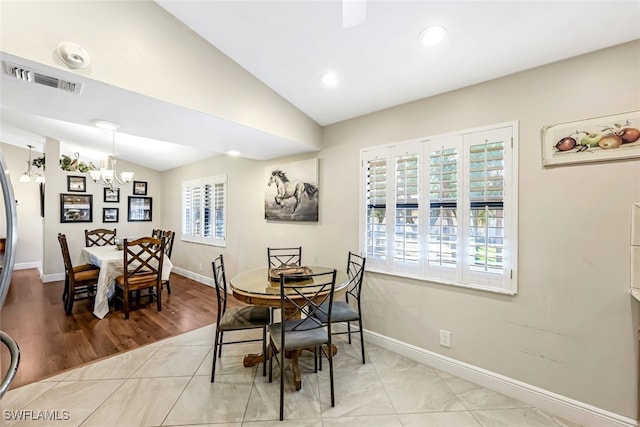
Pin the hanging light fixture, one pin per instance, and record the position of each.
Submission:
(28, 175)
(108, 176)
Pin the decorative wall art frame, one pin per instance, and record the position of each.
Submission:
(597, 139)
(110, 214)
(291, 191)
(139, 188)
(77, 184)
(76, 207)
(111, 195)
(139, 209)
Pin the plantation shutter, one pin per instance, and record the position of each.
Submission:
(203, 210)
(406, 233)
(376, 207)
(219, 211)
(443, 207)
(486, 197)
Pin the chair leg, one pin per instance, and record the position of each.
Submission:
(282, 385)
(361, 339)
(159, 289)
(215, 354)
(65, 293)
(221, 341)
(271, 353)
(71, 296)
(168, 287)
(125, 303)
(349, 331)
(264, 351)
(330, 357)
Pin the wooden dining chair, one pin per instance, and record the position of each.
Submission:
(100, 237)
(168, 237)
(277, 257)
(299, 331)
(142, 267)
(350, 309)
(80, 281)
(235, 318)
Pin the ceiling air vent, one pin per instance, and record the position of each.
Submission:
(29, 75)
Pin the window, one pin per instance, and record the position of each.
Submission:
(444, 209)
(203, 210)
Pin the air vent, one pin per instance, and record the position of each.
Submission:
(29, 75)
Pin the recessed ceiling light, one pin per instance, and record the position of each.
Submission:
(432, 35)
(233, 153)
(105, 124)
(329, 79)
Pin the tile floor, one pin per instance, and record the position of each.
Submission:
(168, 384)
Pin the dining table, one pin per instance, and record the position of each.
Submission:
(257, 287)
(110, 259)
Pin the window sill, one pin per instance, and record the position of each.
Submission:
(450, 283)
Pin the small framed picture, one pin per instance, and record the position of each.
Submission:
(139, 209)
(139, 188)
(77, 184)
(111, 195)
(110, 214)
(76, 208)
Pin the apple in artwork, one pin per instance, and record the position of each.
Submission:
(629, 135)
(610, 141)
(591, 139)
(565, 144)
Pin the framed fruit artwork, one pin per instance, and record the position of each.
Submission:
(598, 139)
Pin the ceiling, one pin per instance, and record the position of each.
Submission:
(288, 45)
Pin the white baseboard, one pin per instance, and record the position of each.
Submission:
(28, 265)
(193, 276)
(553, 403)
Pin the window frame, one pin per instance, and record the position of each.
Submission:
(462, 275)
(213, 240)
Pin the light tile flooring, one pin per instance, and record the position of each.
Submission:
(168, 384)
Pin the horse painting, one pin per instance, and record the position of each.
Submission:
(286, 189)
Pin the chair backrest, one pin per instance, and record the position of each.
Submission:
(143, 258)
(277, 257)
(62, 239)
(300, 298)
(220, 279)
(156, 233)
(355, 271)
(100, 237)
(168, 237)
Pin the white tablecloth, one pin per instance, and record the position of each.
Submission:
(110, 261)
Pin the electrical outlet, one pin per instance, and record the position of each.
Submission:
(445, 338)
(200, 266)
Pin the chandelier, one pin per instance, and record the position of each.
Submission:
(28, 175)
(105, 176)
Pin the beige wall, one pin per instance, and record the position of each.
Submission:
(572, 327)
(27, 195)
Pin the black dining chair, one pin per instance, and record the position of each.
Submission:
(235, 318)
(278, 257)
(298, 330)
(349, 310)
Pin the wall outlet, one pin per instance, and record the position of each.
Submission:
(445, 338)
(200, 266)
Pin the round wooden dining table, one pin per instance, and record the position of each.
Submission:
(256, 287)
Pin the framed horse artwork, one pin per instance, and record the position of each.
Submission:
(291, 192)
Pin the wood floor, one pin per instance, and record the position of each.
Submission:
(51, 342)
